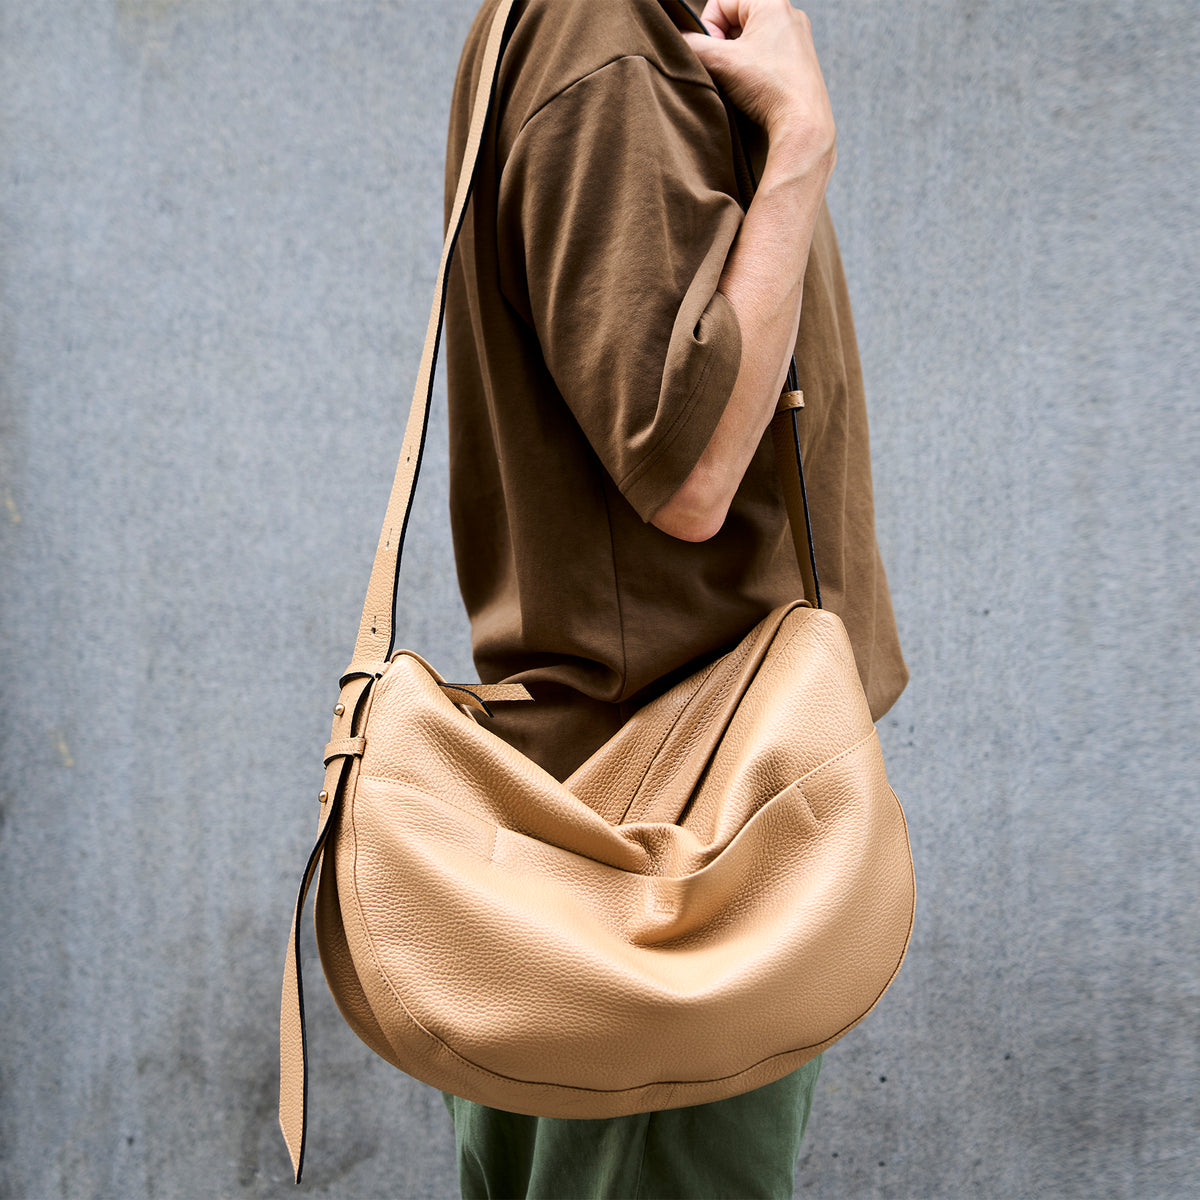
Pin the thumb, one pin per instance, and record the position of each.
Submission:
(709, 50)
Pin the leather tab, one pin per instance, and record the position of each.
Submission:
(363, 670)
(345, 748)
(479, 696)
(789, 399)
(491, 692)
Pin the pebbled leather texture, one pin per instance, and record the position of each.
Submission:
(722, 891)
(516, 948)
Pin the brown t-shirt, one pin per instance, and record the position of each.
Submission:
(589, 357)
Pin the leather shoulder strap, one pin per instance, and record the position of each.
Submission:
(376, 630)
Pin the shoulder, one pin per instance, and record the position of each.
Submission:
(555, 44)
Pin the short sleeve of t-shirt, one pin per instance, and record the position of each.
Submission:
(616, 213)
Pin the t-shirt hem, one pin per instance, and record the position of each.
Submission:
(662, 470)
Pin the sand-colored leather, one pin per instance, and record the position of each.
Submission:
(515, 947)
(720, 892)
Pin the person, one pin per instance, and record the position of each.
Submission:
(620, 319)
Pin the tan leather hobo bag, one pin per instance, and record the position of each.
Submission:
(720, 892)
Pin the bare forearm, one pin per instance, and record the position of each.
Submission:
(763, 280)
(761, 52)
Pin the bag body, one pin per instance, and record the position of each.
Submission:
(714, 897)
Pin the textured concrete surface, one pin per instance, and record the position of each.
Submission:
(218, 229)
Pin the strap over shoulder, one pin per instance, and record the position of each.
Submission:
(376, 630)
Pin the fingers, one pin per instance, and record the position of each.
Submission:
(707, 48)
(766, 63)
(716, 20)
(731, 17)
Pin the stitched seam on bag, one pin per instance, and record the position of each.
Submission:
(799, 791)
(662, 741)
(703, 775)
(698, 731)
(838, 757)
(673, 1084)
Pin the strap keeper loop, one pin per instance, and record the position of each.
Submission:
(345, 748)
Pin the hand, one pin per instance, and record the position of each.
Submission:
(761, 53)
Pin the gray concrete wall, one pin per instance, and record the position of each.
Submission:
(219, 227)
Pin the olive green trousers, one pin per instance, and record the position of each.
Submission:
(743, 1148)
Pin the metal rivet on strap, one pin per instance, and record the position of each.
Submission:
(338, 709)
(324, 795)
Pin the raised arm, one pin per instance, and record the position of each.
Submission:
(761, 52)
